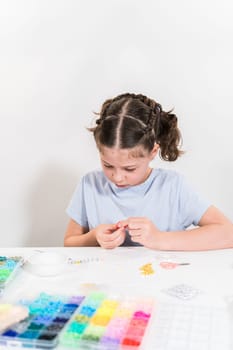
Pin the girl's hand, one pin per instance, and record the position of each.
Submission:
(142, 231)
(109, 236)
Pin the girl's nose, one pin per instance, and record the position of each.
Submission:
(117, 176)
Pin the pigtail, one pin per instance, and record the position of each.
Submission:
(168, 136)
(164, 129)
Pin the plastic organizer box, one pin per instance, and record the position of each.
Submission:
(97, 321)
(8, 268)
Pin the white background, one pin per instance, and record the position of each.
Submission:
(60, 59)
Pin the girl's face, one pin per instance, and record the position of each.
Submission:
(123, 169)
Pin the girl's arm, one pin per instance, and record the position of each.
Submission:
(78, 236)
(108, 236)
(214, 231)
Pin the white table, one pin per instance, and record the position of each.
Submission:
(119, 271)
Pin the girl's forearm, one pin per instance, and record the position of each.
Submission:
(213, 236)
(83, 240)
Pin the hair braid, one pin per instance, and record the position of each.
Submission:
(107, 104)
(155, 113)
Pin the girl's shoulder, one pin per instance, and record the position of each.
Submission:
(173, 179)
(94, 176)
(167, 175)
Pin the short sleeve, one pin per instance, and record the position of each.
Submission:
(191, 205)
(77, 208)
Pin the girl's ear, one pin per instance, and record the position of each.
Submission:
(154, 151)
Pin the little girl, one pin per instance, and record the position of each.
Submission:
(128, 202)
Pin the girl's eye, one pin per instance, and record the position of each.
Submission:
(130, 169)
(107, 166)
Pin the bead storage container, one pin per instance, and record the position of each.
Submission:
(96, 321)
(105, 322)
(47, 316)
(9, 266)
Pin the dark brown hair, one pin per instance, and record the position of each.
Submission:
(131, 120)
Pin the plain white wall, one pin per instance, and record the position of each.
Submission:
(60, 59)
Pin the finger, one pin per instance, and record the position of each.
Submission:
(107, 238)
(113, 236)
(135, 233)
(109, 231)
(122, 224)
(135, 225)
(115, 243)
(111, 228)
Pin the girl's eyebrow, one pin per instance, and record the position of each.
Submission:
(124, 166)
(129, 166)
(104, 161)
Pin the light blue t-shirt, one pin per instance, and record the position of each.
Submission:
(165, 198)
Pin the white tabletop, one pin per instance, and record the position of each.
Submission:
(120, 271)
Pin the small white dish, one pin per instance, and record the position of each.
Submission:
(46, 263)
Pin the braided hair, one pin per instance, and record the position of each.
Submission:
(131, 120)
